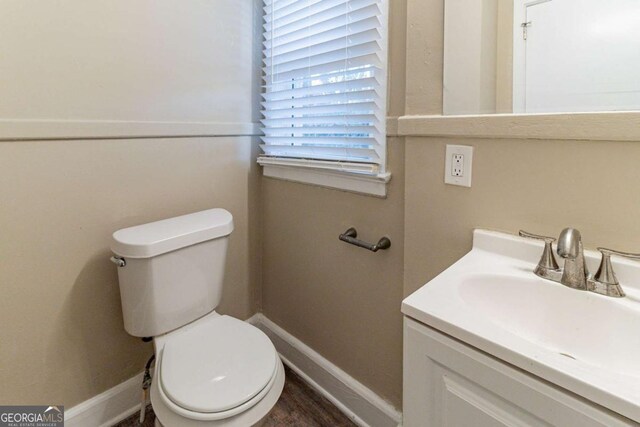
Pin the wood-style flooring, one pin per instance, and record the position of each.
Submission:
(299, 406)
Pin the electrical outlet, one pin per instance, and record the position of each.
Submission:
(458, 165)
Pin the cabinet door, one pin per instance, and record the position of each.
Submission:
(450, 384)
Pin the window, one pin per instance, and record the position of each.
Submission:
(324, 103)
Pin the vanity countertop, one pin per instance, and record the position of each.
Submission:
(583, 342)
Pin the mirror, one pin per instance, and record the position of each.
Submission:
(541, 56)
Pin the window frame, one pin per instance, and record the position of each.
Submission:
(332, 174)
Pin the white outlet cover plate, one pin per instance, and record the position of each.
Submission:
(465, 179)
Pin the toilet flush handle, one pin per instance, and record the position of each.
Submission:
(119, 261)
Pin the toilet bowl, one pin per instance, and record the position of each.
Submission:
(211, 369)
(217, 371)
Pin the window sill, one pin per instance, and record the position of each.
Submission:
(373, 185)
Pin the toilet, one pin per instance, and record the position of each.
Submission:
(211, 369)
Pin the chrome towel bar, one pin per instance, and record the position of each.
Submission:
(350, 235)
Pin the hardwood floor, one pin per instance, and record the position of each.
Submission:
(299, 405)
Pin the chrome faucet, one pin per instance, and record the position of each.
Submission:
(575, 274)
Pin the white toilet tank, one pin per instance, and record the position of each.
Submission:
(171, 271)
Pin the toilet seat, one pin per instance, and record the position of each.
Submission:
(215, 368)
(167, 417)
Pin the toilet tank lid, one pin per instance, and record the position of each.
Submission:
(156, 238)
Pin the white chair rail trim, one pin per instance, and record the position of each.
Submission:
(12, 130)
(605, 126)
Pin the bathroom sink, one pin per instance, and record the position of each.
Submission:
(581, 341)
(560, 319)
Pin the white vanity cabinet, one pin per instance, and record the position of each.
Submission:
(448, 383)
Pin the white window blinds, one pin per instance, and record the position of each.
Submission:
(325, 96)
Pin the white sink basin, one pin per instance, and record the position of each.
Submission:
(578, 340)
(579, 325)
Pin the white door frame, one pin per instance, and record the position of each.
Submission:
(520, 54)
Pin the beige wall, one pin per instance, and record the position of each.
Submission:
(325, 293)
(478, 57)
(470, 56)
(156, 60)
(60, 201)
(397, 56)
(504, 58)
(62, 336)
(342, 301)
(424, 64)
(538, 185)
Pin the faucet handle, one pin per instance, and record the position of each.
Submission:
(610, 252)
(547, 263)
(546, 239)
(605, 274)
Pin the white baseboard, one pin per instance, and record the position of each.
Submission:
(108, 408)
(359, 403)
